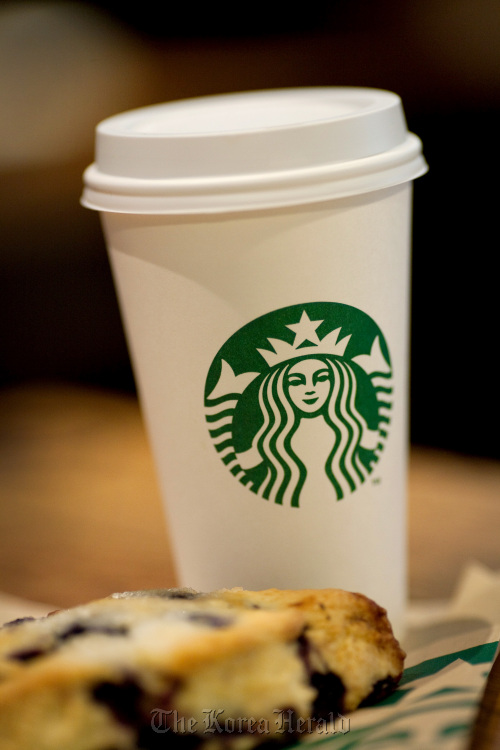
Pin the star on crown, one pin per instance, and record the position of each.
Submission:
(305, 331)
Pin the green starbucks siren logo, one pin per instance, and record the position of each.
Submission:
(317, 374)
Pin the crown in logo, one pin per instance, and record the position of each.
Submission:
(305, 331)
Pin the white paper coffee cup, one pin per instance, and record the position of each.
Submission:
(260, 244)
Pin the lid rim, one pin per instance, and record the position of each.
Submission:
(403, 154)
(251, 200)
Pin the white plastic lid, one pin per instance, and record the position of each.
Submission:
(260, 149)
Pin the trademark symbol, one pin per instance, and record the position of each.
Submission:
(377, 480)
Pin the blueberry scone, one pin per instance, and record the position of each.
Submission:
(230, 669)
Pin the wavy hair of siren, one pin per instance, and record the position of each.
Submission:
(286, 473)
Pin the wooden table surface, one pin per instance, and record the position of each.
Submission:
(81, 515)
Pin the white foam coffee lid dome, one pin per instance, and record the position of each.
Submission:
(251, 150)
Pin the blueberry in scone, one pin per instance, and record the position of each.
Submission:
(144, 670)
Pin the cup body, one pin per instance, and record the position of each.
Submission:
(270, 347)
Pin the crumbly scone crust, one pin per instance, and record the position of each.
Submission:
(91, 677)
(350, 632)
(168, 654)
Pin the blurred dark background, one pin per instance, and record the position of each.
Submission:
(65, 66)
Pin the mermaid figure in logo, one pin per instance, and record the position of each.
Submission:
(314, 394)
(312, 423)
